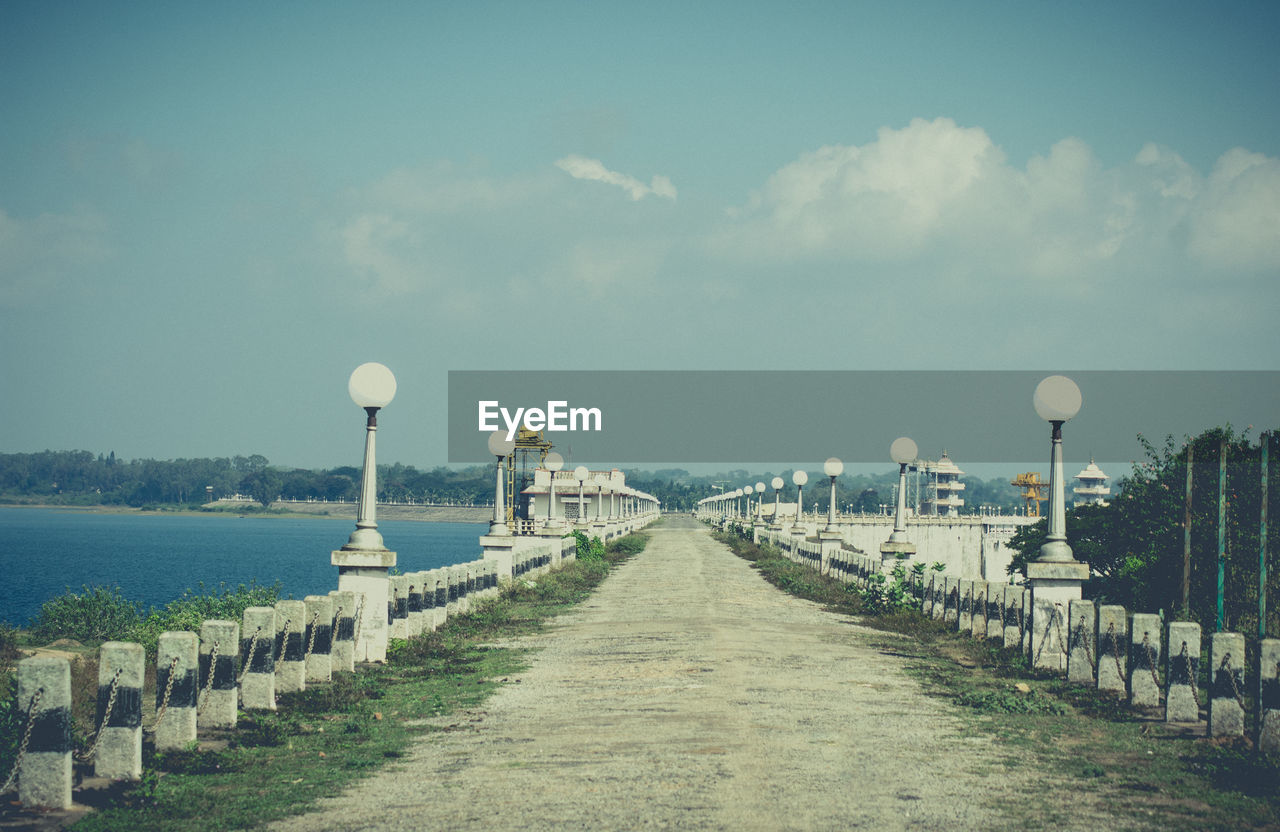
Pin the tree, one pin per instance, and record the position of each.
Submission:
(263, 485)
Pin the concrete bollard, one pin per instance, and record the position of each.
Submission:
(1226, 684)
(342, 651)
(177, 663)
(451, 577)
(258, 646)
(1049, 630)
(1183, 674)
(978, 615)
(1113, 662)
(964, 620)
(1269, 701)
(318, 658)
(218, 702)
(398, 607)
(1011, 606)
(413, 624)
(951, 606)
(1144, 660)
(44, 771)
(1024, 621)
(995, 612)
(1080, 641)
(428, 601)
(291, 666)
(464, 583)
(121, 672)
(441, 581)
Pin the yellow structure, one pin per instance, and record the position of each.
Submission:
(528, 442)
(1032, 491)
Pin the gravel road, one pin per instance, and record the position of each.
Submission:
(687, 693)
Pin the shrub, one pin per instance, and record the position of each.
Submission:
(591, 549)
(95, 615)
(196, 607)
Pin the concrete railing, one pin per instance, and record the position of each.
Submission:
(1152, 664)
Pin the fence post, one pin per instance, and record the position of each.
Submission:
(1182, 699)
(342, 653)
(177, 663)
(416, 614)
(995, 611)
(951, 604)
(1012, 607)
(1269, 702)
(1144, 660)
(1112, 653)
(1226, 688)
(441, 581)
(291, 671)
(964, 620)
(978, 619)
(219, 703)
(1080, 640)
(258, 644)
(121, 671)
(318, 661)
(44, 769)
(398, 607)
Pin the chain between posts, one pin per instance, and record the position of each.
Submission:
(311, 639)
(26, 738)
(1151, 661)
(1088, 648)
(248, 662)
(1195, 683)
(168, 691)
(106, 716)
(208, 682)
(284, 639)
(355, 630)
(1115, 649)
(1231, 677)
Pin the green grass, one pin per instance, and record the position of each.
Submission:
(1095, 744)
(327, 737)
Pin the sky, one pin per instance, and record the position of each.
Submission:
(210, 214)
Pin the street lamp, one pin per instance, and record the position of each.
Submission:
(799, 478)
(1057, 399)
(581, 474)
(903, 451)
(748, 491)
(553, 463)
(759, 501)
(372, 387)
(832, 468)
(501, 447)
(777, 484)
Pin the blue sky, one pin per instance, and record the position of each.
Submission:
(211, 213)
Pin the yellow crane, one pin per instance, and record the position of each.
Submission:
(1032, 491)
(528, 442)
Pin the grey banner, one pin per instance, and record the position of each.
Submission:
(664, 416)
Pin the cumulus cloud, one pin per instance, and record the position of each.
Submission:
(937, 191)
(580, 167)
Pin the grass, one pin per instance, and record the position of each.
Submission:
(275, 764)
(1099, 748)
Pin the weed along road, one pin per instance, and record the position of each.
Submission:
(689, 693)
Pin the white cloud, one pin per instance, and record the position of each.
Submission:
(580, 167)
(380, 249)
(1236, 222)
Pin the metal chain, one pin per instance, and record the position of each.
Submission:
(1115, 649)
(333, 625)
(26, 738)
(311, 640)
(355, 630)
(106, 716)
(1088, 648)
(168, 691)
(248, 662)
(1055, 622)
(284, 639)
(1231, 677)
(1195, 683)
(1151, 661)
(208, 682)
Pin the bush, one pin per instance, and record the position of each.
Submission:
(591, 549)
(196, 607)
(96, 615)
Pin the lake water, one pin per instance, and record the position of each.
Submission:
(153, 559)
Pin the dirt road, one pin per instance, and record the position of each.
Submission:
(687, 693)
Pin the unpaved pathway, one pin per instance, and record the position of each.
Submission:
(687, 693)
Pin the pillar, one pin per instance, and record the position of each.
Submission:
(1269, 702)
(364, 572)
(441, 581)
(1183, 674)
(416, 613)
(398, 607)
(219, 662)
(964, 620)
(1113, 663)
(1144, 660)
(1080, 641)
(995, 612)
(258, 646)
(121, 671)
(1226, 687)
(177, 662)
(1011, 605)
(318, 658)
(44, 773)
(342, 651)
(291, 618)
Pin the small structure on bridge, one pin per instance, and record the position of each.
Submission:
(1093, 489)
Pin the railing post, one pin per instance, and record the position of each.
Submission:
(1081, 638)
(1112, 657)
(291, 673)
(177, 663)
(1226, 690)
(1183, 675)
(44, 769)
(218, 674)
(258, 646)
(1144, 661)
(1269, 702)
(318, 660)
(342, 653)
(122, 666)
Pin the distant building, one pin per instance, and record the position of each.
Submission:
(944, 499)
(1093, 489)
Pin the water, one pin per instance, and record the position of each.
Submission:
(153, 559)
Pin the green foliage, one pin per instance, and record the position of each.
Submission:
(1010, 702)
(881, 596)
(196, 607)
(94, 615)
(588, 549)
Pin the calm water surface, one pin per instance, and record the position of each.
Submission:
(153, 559)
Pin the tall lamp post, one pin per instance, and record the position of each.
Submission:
(746, 511)
(501, 447)
(364, 561)
(903, 451)
(832, 468)
(581, 474)
(1055, 576)
(799, 478)
(777, 484)
(553, 463)
(759, 502)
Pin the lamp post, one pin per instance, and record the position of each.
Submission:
(1055, 576)
(759, 501)
(903, 451)
(832, 468)
(501, 447)
(799, 478)
(364, 561)
(748, 491)
(777, 484)
(553, 463)
(581, 474)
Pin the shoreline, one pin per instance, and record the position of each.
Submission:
(419, 514)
